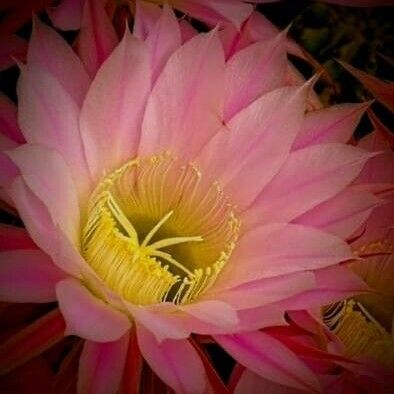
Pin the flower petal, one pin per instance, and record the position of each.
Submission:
(279, 249)
(97, 37)
(49, 116)
(44, 233)
(253, 71)
(11, 47)
(258, 137)
(185, 106)
(12, 238)
(174, 361)
(215, 11)
(101, 366)
(270, 359)
(252, 383)
(343, 214)
(163, 40)
(87, 316)
(49, 52)
(160, 324)
(263, 291)
(309, 177)
(8, 121)
(383, 91)
(67, 15)
(28, 276)
(114, 107)
(49, 178)
(333, 124)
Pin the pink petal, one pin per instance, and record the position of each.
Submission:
(47, 175)
(333, 284)
(333, 124)
(101, 366)
(146, 17)
(259, 137)
(28, 276)
(87, 316)
(268, 358)
(8, 122)
(383, 91)
(215, 11)
(309, 177)
(343, 214)
(280, 249)
(187, 30)
(185, 107)
(159, 324)
(114, 107)
(11, 47)
(251, 383)
(97, 37)
(212, 311)
(39, 224)
(15, 238)
(253, 71)
(263, 291)
(163, 40)
(8, 170)
(50, 52)
(174, 361)
(49, 116)
(67, 15)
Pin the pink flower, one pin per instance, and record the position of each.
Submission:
(173, 193)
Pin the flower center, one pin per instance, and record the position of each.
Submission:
(155, 232)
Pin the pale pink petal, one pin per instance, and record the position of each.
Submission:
(383, 91)
(49, 178)
(251, 383)
(11, 47)
(333, 124)
(49, 116)
(50, 52)
(263, 291)
(8, 121)
(215, 11)
(160, 324)
(112, 113)
(343, 214)
(259, 137)
(97, 37)
(101, 366)
(309, 177)
(268, 358)
(87, 316)
(174, 361)
(212, 311)
(253, 71)
(185, 107)
(163, 40)
(67, 15)
(28, 276)
(12, 238)
(146, 17)
(279, 249)
(39, 224)
(333, 284)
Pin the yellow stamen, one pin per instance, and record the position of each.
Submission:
(188, 231)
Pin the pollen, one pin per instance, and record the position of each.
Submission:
(157, 232)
